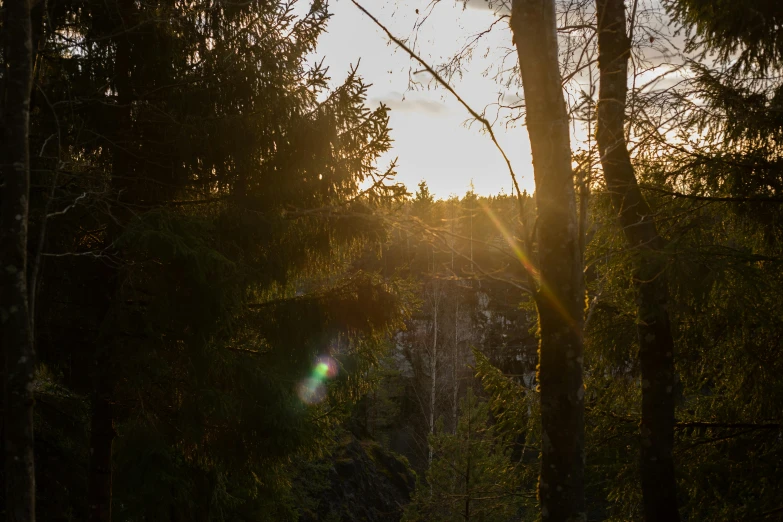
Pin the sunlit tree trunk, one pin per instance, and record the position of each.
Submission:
(454, 365)
(471, 246)
(560, 298)
(656, 345)
(433, 369)
(14, 312)
(455, 354)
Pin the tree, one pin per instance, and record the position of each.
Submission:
(471, 476)
(475, 284)
(434, 357)
(207, 251)
(747, 35)
(656, 344)
(18, 352)
(706, 162)
(560, 297)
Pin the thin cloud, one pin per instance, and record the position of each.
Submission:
(400, 102)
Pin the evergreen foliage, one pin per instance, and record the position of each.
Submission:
(471, 476)
(747, 33)
(205, 199)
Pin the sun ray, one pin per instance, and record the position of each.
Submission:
(544, 290)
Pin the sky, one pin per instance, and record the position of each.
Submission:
(431, 138)
(434, 139)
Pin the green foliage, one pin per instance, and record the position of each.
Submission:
(510, 402)
(60, 420)
(217, 210)
(471, 476)
(516, 414)
(722, 262)
(747, 33)
(729, 390)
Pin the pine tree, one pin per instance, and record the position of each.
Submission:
(203, 255)
(471, 476)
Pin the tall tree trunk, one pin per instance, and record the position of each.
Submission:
(455, 361)
(466, 515)
(454, 382)
(14, 312)
(656, 345)
(101, 440)
(433, 371)
(560, 298)
(125, 188)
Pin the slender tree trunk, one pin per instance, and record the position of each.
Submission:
(471, 247)
(466, 515)
(454, 274)
(14, 312)
(126, 189)
(455, 381)
(37, 18)
(560, 298)
(656, 345)
(101, 439)
(433, 371)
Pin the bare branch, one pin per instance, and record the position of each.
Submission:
(481, 119)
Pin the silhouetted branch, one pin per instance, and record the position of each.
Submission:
(449, 88)
(722, 199)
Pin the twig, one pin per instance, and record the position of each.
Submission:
(451, 90)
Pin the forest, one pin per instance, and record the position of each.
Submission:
(218, 301)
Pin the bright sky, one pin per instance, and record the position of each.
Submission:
(431, 138)
(429, 132)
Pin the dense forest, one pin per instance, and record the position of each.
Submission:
(218, 303)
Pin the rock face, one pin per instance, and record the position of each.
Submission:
(364, 483)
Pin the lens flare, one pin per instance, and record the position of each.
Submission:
(326, 367)
(523, 259)
(312, 389)
(544, 289)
